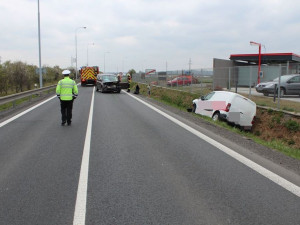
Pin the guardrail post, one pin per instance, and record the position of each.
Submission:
(250, 81)
(279, 85)
(229, 79)
(275, 90)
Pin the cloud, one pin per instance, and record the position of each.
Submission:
(143, 34)
(126, 40)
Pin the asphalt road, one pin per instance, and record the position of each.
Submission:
(142, 168)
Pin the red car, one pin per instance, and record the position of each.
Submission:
(182, 80)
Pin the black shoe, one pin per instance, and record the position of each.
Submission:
(69, 123)
(63, 123)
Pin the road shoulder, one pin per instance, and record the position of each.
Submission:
(273, 160)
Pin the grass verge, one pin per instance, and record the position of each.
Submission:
(25, 99)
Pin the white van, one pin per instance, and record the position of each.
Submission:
(229, 106)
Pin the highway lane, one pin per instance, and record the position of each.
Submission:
(40, 163)
(144, 169)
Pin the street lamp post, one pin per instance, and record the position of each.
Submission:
(104, 62)
(76, 48)
(40, 61)
(259, 58)
(87, 53)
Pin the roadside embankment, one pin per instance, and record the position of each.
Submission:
(275, 129)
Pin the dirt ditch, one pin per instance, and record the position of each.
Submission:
(270, 125)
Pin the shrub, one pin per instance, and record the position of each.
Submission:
(257, 133)
(277, 119)
(292, 125)
(270, 111)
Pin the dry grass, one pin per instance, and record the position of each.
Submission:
(285, 105)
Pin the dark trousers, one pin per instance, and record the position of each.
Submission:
(66, 110)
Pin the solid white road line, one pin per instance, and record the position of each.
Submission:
(256, 167)
(80, 207)
(24, 112)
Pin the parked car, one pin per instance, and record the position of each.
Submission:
(109, 83)
(182, 80)
(289, 85)
(224, 105)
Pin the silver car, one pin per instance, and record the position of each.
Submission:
(289, 85)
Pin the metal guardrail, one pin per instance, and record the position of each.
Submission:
(14, 97)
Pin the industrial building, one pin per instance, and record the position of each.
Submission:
(242, 69)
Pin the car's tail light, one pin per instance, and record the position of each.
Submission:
(253, 120)
(227, 107)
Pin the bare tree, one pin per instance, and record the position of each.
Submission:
(4, 81)
(18, 75)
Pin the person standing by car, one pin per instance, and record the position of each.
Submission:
(119, 77)
(66, 91)
(129, 81)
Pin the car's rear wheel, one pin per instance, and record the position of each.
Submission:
(216, 116)
(282, 92)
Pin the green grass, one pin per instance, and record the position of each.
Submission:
(268, 102)
(16, 103)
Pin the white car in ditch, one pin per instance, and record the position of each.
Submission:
(224, 105)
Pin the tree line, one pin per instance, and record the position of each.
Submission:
(18, 76)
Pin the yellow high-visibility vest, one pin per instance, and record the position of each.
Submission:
(66, 89)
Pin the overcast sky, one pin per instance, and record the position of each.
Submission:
(146, 34)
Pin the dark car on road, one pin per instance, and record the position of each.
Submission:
(109, 83)
(289, 85)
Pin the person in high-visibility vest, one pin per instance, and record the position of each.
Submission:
(129, 81)
(66, 91)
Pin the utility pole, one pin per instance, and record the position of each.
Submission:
(190, 63)
(166, 66)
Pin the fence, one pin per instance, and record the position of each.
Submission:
(236, 78)
(196, 81)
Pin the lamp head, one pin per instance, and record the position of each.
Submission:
(254, 43)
